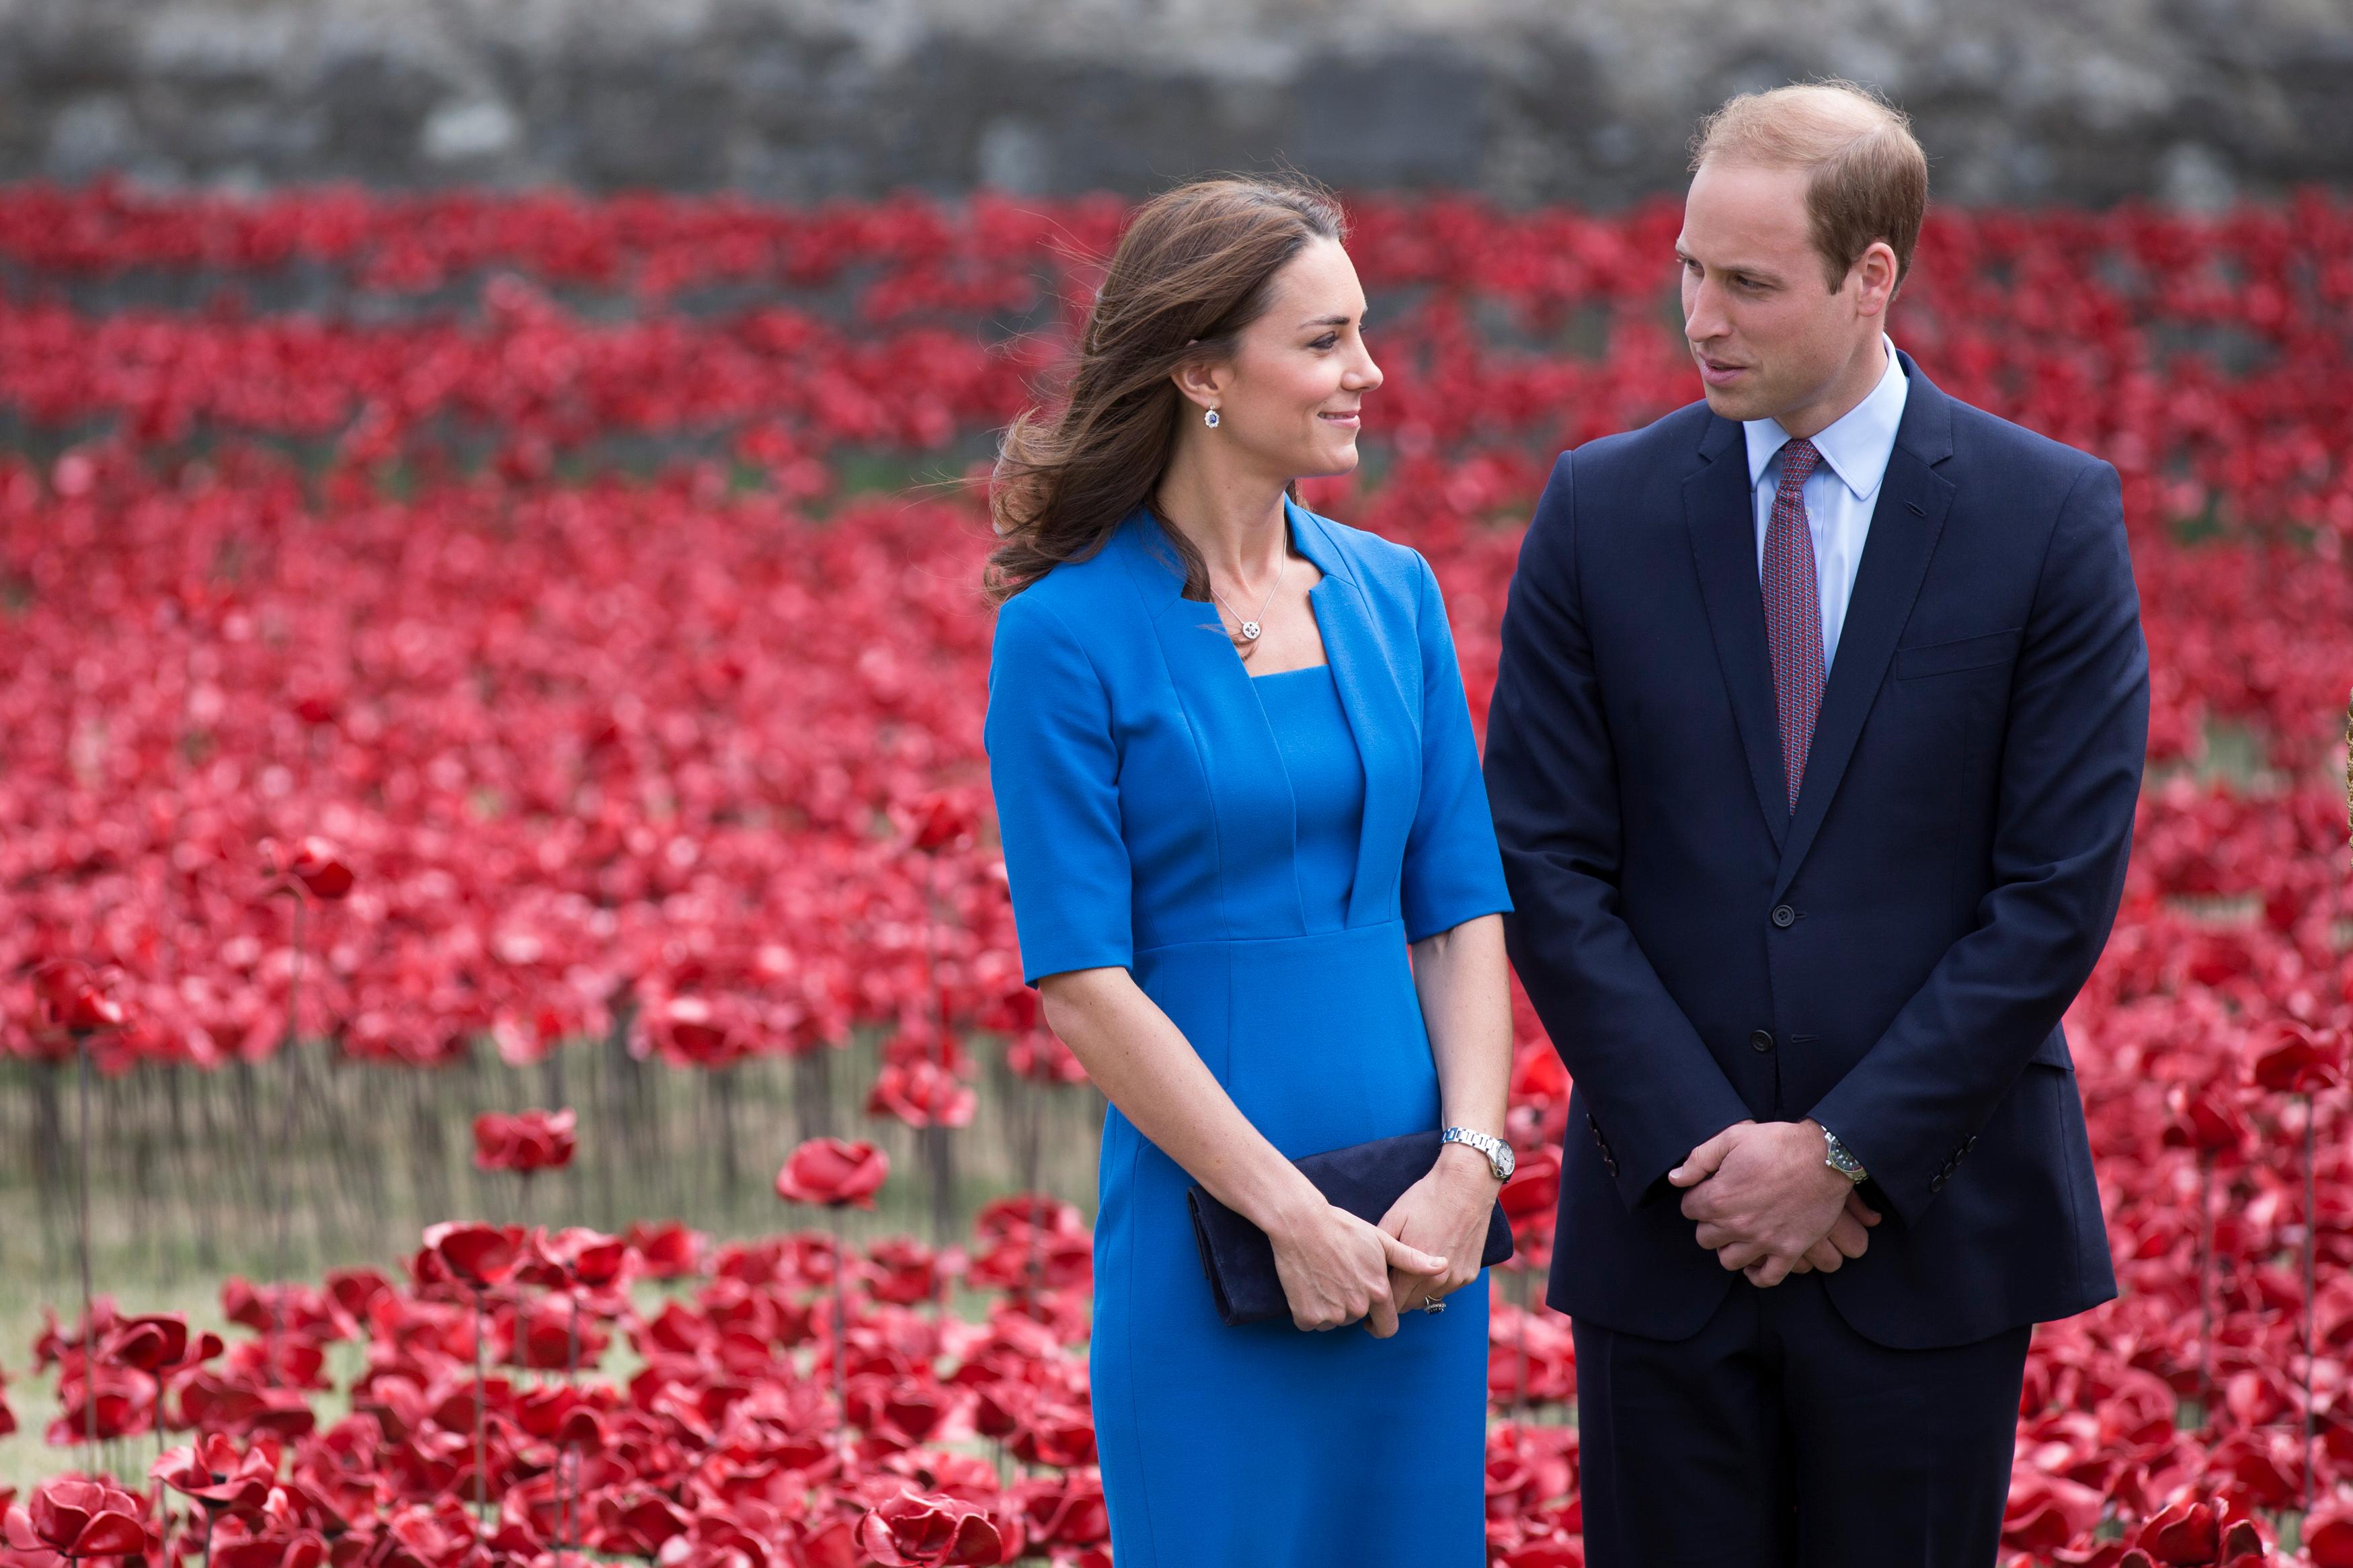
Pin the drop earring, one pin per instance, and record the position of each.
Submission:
(1210, 417)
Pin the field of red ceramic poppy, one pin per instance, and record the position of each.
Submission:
(443, 630)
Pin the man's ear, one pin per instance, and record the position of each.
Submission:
(1877, 273)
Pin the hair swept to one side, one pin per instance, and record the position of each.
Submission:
(1867, 178)
(1193, 268)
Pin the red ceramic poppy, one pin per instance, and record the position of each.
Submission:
(319, 866)
(218, 1476)
(478, 1256)
(833, 1172)
(526, 1142)
(913, 1530)
(72, 1520)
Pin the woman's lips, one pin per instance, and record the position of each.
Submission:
(1352, 420)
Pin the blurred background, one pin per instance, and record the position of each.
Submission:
(2189, 102)
(490, 536)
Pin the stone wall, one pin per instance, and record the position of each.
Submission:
(1583, 100)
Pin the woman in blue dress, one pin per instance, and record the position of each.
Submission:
(1255, 882)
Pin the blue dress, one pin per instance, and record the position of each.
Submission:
(1257, 852)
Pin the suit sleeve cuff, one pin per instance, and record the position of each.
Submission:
(1637, 1159)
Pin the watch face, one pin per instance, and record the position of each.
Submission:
(1511, 1161)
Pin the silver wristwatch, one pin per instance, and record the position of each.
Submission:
(1839, 1160)
(1500, 1159)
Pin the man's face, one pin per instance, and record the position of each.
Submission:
(1769, 333)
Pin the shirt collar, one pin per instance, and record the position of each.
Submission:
(1856, 445)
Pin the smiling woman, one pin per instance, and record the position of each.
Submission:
(1195, 267)
(1224, 834)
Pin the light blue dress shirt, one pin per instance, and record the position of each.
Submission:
(1840, 493)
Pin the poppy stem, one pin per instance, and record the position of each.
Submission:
(163, 1496)
(939, 1155)
(2205, 1288)
(841, 1332)
(482, 1416)
(567, 1463)
(1520, 1363)
(287, 1051)
(88, 1312)
(1033, 1142)
(208, 1538)
(2311, 1224)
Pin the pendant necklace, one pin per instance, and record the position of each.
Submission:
(1251, 628)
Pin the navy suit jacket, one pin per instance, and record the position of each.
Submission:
(1894, 958)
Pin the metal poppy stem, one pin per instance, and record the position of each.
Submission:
(841, 1329)
(89, 1310)
(939, 1155)
(2205, 1287)
(1520, 1285)
(292, 1079)
(2311, 1224)
(567, 1464)
(482, 1415)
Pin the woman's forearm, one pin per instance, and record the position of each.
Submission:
(1144, 1063)
(1461, 977)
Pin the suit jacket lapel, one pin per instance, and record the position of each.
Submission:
(1719, 512)
(1905, 524)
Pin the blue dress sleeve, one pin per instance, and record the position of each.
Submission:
(1053, 766)
(1452, 871)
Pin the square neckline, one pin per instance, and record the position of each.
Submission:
(1291, 544)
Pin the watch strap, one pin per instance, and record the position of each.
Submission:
(1837, 1156)
(1498, 1153)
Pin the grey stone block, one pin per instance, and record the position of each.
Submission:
(2197, 102)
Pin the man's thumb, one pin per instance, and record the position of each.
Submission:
(1700, 1163)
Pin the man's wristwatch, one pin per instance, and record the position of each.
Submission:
(1500, 1159)
(1839, 1160)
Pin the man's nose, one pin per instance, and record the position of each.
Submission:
(1703, 319)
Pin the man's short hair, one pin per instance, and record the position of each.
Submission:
(1869, 180)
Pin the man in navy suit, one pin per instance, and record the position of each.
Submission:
(1814, 755)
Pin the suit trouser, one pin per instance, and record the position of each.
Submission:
(1778, 1437)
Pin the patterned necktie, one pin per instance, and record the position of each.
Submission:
(1793, 612)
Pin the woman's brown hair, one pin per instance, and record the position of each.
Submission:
(1194, 267)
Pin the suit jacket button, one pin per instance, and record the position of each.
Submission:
(1784, 916)
(1762, 1040)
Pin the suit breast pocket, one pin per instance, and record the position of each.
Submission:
(1989, 650)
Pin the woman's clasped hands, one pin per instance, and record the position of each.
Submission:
(1336, 1269)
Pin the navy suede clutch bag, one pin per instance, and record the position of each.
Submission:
(1363, 1178)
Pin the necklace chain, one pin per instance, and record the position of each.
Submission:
(1251, 626)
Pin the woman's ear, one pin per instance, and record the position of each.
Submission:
(1202, 381)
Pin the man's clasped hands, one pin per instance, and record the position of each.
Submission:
(1767, 1203)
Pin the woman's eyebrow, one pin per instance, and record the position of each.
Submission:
(1328, 321)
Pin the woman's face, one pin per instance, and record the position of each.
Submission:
(1291, 400)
